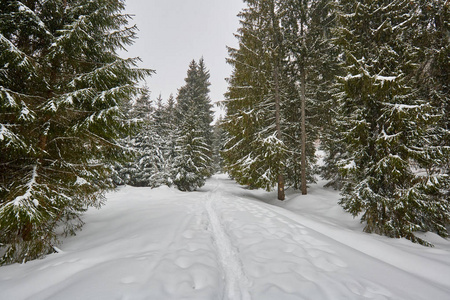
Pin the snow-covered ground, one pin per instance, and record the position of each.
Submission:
(227, 242)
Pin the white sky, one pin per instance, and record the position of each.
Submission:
(173, 32)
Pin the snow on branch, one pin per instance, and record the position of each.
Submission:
(402, 107)
(120, 91)
(350, 77)
(25, 202)
(18, 201)
(34, 17)
(107, 72)
(68, 99)
(10, 138)
(385, 78)
(5, 93)
(26, 114)
(10, 48)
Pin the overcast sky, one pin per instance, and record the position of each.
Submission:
(173, 32)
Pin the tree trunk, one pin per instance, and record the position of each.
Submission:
(303, 130)
(281, 195)
(303, 113)
(277, 43)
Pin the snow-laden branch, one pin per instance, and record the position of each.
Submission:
(18, 201)
(10, 138)
(32, 14)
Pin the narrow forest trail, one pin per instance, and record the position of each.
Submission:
(236, 283)
(225, 242)
(281, 258)
(281, 255)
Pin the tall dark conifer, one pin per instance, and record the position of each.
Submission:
(433, 74)
(282, 69)
(147, 143)
(385, 123)
(255, 153)
(61, 88)
(311, 65)
(193, 150)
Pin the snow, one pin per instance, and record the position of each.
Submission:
(80, 181)
(385, 78)
(11, 102)
(376, 77)
(351, 77)
(3, 132)
(227, 242)
(18, 201)
(236, 281)
(26, 9)
(350, 165)
(25, 113)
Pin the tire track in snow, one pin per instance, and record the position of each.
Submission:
(236, 283)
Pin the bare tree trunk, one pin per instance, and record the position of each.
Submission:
(281, 195)
(303, 115)
(277, 43)
(303, 131)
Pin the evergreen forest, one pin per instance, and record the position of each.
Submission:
(367, 83)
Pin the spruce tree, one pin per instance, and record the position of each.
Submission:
(255, 153)
(147, 143)
(385, 123)
(193, 152)
(219, 139)
(171, 134)
(163, 128)
(311, 65)
(61, 87)
(278, 90)
(433, 74)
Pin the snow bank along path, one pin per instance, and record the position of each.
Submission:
(227, 242)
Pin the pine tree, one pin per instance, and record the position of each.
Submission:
(219, 139)
(255, 154)
(282, 69)
(163, 127)
(148, 167)
(311, 67)
(171, 134)
(433, 39)
(193, 160)
(385, 123)
(61, 88)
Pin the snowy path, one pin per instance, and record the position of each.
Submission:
(236, 283)
(225, 242)
(286, 260)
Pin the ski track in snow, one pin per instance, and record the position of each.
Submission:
(282, 258)
(236, 283)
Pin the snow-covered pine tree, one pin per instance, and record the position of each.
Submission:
(311, 65)
(219, 139)
(61, 86)
(193, 161)
(244, 93)
(204, 101)
(385, 121)
(169, 125)
(255, 153)
(147, 144)
(163, 129)
(433, 39)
